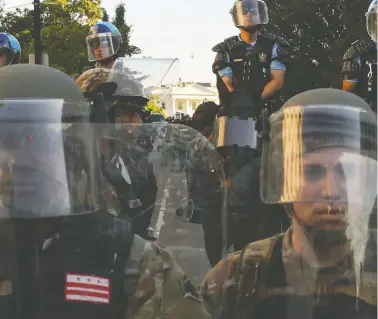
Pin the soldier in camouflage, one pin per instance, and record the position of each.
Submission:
(359, 68)
(319, 153)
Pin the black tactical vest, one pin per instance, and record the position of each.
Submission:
(251, 70)
(94, 257)
(367, 85)
(279, 302)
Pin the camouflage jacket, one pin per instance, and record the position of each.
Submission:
(162, 288)
(90, 80)
(239, 281)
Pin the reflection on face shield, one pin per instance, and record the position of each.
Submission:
(332, 178)
(96, 43)
(47, 175)
(372, 24)
(128, 117)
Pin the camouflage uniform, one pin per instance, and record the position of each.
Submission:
(236, 283)
(162, 288)
(92, 78)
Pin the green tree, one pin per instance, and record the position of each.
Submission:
(65, 25)
(120, 22)
(153, 106)
(19, 23)
(319, 32)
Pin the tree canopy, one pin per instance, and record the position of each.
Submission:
(154, 106)
(319, 32)
(65, 25)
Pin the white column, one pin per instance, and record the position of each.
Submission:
(173, 107)
(187, 106)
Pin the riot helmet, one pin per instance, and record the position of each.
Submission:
(103, 41)
(319, 156)
(371, 20)
(249, 15)
(47, 145)
(10, 49)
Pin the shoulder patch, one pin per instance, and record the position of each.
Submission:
(358, 48)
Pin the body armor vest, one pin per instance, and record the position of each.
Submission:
(251, 70)
(266, 293)
(367, 85)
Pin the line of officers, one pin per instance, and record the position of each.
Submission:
(63, 257)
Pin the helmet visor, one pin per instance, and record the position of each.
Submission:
(47, 168)
(320, 154)
(249, 13)
(371, 24)
(102, 46)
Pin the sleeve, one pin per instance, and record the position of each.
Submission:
(275, 64)
(162, 277)
(227, 72)
(221, 65)
(216, 283)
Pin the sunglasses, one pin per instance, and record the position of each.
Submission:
(249, 9)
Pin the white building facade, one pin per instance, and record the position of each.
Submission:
(185, 98)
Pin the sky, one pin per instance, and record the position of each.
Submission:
(176, 29)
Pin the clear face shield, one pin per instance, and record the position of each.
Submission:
(371, 22)
(144, 77)
(7, 56)
(137, 80)
(320, 162)
(185, 186)
(102, 46)
(248, 14)
(48, 168)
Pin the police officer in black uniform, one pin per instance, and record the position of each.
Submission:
(250, 72)
(252, 61)
(359, 67)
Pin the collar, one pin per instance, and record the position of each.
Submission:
(296, 265)
(241, 40)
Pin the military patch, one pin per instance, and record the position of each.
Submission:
(82, 288)
(190, 291)
(6, 287)
(262, 57)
